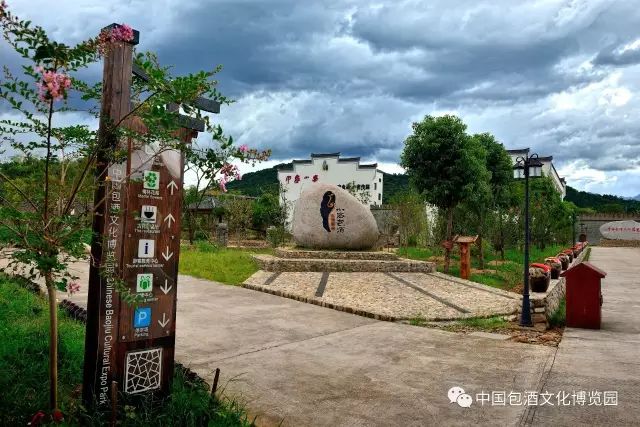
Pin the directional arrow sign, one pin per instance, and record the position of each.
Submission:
(164, 321)
(172, 186)
(166, 254)
(166, 289)
(169, 218)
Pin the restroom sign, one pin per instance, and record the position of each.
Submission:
(144, 282)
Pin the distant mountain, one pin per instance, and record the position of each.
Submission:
(602, 202)
(255, 183)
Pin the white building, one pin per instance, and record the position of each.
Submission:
(547, 169)
(366, 179)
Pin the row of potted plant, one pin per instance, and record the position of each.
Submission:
(540, 274)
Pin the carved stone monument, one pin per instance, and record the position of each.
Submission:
(328, 217)
(621, 230)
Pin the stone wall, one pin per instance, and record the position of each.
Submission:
(620, 243)
(544, 304)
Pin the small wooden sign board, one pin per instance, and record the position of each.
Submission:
(465, 239)
(465, 254)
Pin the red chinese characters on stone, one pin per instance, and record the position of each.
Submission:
(315, 178)
(296, 179)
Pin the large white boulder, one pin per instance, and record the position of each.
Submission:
(328, 217)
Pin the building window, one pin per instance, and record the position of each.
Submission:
(379, 179)
(379, 196)
(375, 185)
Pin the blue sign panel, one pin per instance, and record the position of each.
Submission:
(142, 317)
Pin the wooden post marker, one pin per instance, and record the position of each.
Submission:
(136, 244)
(465, 254)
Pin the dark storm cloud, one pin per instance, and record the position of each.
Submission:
(625, 54)
(351, 76)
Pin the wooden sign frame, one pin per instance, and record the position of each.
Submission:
(136, 245)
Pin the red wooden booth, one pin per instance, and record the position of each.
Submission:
(584, 296)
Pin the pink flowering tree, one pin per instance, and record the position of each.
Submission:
(40, 209)
(212, 170)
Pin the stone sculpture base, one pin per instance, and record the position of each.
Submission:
(336, 261)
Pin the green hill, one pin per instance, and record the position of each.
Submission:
(601, 202)
(255, 183)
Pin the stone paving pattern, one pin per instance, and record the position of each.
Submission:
(389, 296)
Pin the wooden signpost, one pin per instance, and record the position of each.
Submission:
(136, 244)
(465, 254)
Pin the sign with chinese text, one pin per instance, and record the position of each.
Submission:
(621, 230)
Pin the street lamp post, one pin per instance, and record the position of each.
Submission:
(526, 166)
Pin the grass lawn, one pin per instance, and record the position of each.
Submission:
(226, 265)
(24, 385)
(497, 273)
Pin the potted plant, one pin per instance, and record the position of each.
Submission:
(564, 260)
(539, 277)
(569, 253)
(556, 266)
(576, 251)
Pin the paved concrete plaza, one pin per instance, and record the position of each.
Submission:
(307, 365)
(389, 296)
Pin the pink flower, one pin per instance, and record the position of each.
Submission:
(122, 33)
(3, 6)
(73, 287)
(223, 184)
(53, 85)
(243, 148)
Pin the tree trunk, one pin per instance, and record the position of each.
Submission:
(501, 236)
(447, 249)
(53, 343)
(481, 252)
(190, 227)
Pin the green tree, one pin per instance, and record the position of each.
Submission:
(551, 217)
(410, 216)
(611, 208)
(444, 164)
(239, 215)
(490, 200)
(267, 211)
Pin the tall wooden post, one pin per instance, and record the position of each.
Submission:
(107, 242)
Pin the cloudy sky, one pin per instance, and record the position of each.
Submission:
(561, 77)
